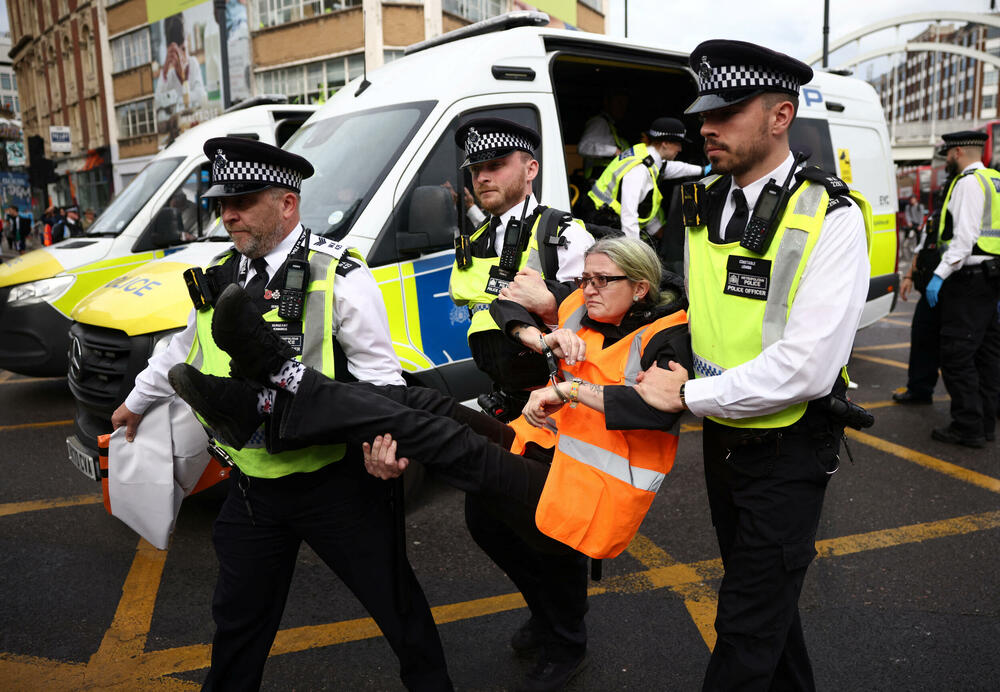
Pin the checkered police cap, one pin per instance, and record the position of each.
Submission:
(964, 138)
(668, 128)
(732, 71)
(241, 166)
(485, 139)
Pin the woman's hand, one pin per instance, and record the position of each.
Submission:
(542, 403)
(567, 345)
(380, 458)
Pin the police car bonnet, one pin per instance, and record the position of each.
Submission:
(241, 166)
(732, 71)
(485, 139)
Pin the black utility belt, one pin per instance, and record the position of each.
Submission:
(990, 270)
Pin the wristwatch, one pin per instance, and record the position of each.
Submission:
(681, 394)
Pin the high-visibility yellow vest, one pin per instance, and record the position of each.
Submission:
(740, 301)
(317, 352)
(619, 142)
(607, 189)
(473, 286)
(989, 225)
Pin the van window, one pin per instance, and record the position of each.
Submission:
(813, 134)
(351, 155)
(442, 166)
(127, 204)
(194, 218)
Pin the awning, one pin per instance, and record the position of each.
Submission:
(94, 159)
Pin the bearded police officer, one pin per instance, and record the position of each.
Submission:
(966, 283)
(774, 306)
(320, 495)
(627, 195)
(499, 154)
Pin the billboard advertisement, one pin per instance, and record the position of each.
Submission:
(15, 189)
(15, 153)
(187, 61)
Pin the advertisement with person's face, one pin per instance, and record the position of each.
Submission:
(187, 62)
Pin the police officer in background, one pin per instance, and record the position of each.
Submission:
(500, 158)
(627, 195)
(601, 141)
(762, 376)
(966, 283)
(499, 154)
(320, 495)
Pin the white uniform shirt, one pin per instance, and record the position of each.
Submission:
(966, 207)
(570, 254)
(360, 324)
(597, 141)
(636, 184)
(818, 337)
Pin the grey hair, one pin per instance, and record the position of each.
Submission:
(637, 261)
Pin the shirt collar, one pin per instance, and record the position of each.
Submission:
(752, 191)
(657, 159)
(973, 166)
(515, 211)
(276, 257)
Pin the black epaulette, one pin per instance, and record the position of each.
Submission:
(346, 265)
(838, 202)
(648, 161)
(835, 187)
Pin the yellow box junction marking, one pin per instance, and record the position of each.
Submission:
(880, 361)
(45, 424)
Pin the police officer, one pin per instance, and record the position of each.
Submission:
(499, 154)
(763, 374)
(627, 194)
(966, 283)
(601, 140)
(321, 494)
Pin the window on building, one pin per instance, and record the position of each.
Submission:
(136, 118)
(313, 82)
(990, 77)
(275, 12)
(989, 100)
(130, 50)
(474, 10)
(13, 79)
(5, 81)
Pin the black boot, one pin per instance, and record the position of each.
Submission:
(228, 406)
(240, 331)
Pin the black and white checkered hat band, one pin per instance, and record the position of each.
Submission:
(971, 142)
(659, 134)
(490, 141)
(727, 77)
(255, 172)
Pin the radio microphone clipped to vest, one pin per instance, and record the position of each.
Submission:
(768, 209)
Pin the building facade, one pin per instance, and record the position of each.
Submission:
(58, 65)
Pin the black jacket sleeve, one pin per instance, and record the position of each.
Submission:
(507, 314)
(624, 409)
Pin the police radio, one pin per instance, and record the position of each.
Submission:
(770, 204)
(293, 291)
(514, 242)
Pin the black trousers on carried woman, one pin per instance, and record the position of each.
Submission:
(468, 450)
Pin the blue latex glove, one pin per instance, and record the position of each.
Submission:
(708, 169)
(933, 287)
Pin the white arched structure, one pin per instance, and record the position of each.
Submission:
(921, 46)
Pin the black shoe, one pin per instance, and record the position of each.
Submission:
(907, 397)
(240, 331)
(549, 675)
(228, 406)
(948, 434)
(530, 637)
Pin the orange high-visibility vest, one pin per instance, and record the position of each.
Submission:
(602, 482)
(47, 235)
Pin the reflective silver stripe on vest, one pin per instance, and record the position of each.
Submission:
(808, 202)
(986, 227)
(534, 260)
(313, 325)
(703, 367)
(633, 366)
(199, 358)
(575, 319)
(478, 307)
(609, 463)
(786, 263)
(606, 196)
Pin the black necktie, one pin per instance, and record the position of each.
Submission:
(255, 286)
(491, 235)
(738, 222)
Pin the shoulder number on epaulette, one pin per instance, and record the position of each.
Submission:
(834, 185)
(838, 202)
(327, 246)
(346, 265)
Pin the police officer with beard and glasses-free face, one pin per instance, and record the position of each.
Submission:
(320, 494)
(771, 329)
(966, 283)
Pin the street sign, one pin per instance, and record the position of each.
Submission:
(60, 139)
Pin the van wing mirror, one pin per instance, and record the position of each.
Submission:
(432, 221)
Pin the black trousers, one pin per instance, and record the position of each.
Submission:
(765, 500)
(343, 514)
(925, 349)
(970, 350)
(469, 451)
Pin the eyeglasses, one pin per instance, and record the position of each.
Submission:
(598, 281)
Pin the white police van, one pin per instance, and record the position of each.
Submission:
(383, 147)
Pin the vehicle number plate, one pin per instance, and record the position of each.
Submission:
(82, 459)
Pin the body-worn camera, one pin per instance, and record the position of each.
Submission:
(845, 412)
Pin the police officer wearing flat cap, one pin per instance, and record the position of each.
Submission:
(627, 195)
(772, 316)
(500, 158)
(322, 494)
(966, 285)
